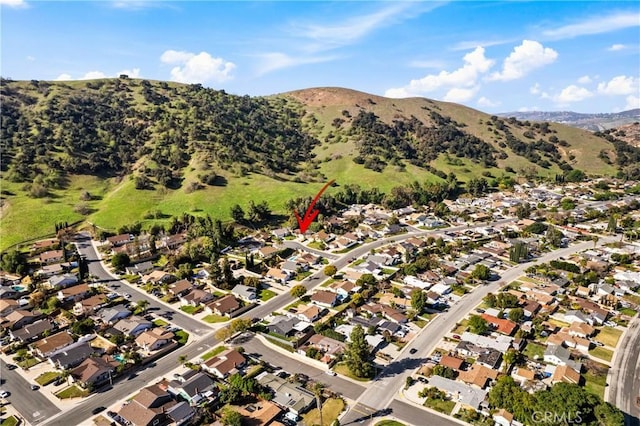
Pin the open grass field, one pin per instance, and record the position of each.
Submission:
(609, 336)
(533, 349)
(331, 409)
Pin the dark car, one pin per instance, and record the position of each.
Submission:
(413, 351)
(11, 366)
(98, 410)
(35, 387)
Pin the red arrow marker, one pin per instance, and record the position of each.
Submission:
(311, 213)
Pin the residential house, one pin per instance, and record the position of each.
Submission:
(308, 313)
(279, 275)
(44, 244)
(581, 329)
(148, 407)
(566, 374)
(328, 346)
(324, 298)
(574, 316)
(531, 308)
(19, 318)
(44, 348)
(89, 306)
(225, 363)
(114, 313)
(52, 256)
(344, 288)
(283, 325)
(503, 418)
(193, 387)
(172, 242)
(501, 325)
(292, 267)
(478, 375)
(556, 354)
(523, 375)
(460, 392)
(280, 233)
(451, 362)
(154, 339)
(158, 277)
(267, 252)
(32, 331)
(71, 356)
(62, 281)
(119, 240)
(225, 305)
(260, 413)
(244, 292)
(73, 293)
(490, 358)
(94, 371)
(323, 237)
(141, 268)
(7, 306)
(180, 413)
(196, 297)
(288, 396)
(180, 288)
(133, 325)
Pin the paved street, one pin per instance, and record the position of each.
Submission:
(96, 269)
(416, 416)
(624, 377)
(32, 405)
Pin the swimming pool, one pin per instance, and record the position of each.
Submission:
(19, 288)
(119, 357)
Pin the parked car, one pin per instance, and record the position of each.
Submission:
(126, 296)
(455, 336)
(35, 387)
(331, 373)
(3, 393)
(413, 351)
(11, 366)
(98, 410)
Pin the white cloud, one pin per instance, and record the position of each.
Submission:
(31, 58)
(198, 68)
(525, 58)
(585, 79)
(14, 3)
(485, 102)
(134, 73)
(528, 109)
(595, 25)
(616, 47)
(633, 102)
(572, 93)
(620, 85)
(459, 94)
(535, 89)
(93, 75)
(471, 44)
(277, 60)
(63, 77)
(475, 64)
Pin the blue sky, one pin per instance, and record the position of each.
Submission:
(493, 56)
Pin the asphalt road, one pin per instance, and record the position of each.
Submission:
(389, 381)
(413, 415)
(124, 386)
(96, 269)
(624, 382)
(32, 405)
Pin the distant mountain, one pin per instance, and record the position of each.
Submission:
(592, 122)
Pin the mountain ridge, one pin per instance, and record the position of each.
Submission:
(587, 121)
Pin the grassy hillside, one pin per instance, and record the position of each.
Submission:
(112, 151)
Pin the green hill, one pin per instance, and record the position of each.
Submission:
(117, 151)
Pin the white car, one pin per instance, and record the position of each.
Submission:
(126, 296)
(3, 393)
(331, 373)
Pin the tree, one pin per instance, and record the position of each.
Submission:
(240, 325)
(143, 304)
(231, 417)
(13, 261)
(318, 388)
(490, 300)
(612, 225)
(481, 272)
(52, 303)
(237, 214)
(330, 270)
(120, 260)
(83, 327)
(182, 359)
(518, 252)
(298, 291)
(418, 300)
(357, 354)
(223, 333)
(478, 325)
(516, 314)
(446, 372)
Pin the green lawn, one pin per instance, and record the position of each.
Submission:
(595, 381)
(10, 421)
(266, 294)
(331, 409)
(213, 318)
(440, 405)
(213, 352)
(420, 322)
(609, 336)
(72, 392)
(182, 336)
(534, 349)
(628, 311)
(601, 353)
(28, 362)
(46, 378)
(342, 368)
(280, 344)
(159, 323)
(191, 310)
